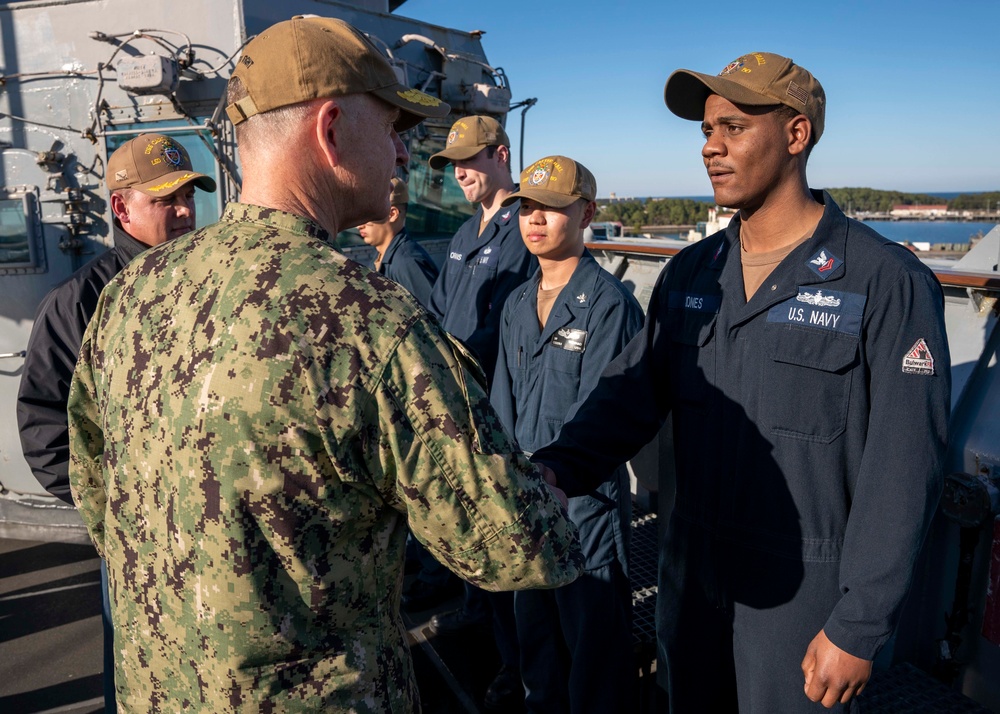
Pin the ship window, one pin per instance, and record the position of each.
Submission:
(19, 244)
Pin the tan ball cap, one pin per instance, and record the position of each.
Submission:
(555, 181)
(469, 136)
(756, 79)
(312, 57)
(154, 164)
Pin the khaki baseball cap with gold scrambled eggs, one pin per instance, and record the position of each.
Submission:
(556, 181)
(310, 57)
(755, 79)
(154, 164)
(469, 136)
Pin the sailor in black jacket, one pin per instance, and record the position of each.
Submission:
(50, 359)
(152, 197)
(805, 363)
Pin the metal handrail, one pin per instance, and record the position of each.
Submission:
(952, 278)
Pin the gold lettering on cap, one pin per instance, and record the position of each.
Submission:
(153, 143)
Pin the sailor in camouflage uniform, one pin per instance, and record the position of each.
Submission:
(255, 418)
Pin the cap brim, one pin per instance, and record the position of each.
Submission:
(414, 105)
(455, 153)
(685, 93)
(546, 198)
(169, 183)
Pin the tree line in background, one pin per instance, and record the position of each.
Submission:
(636, 213)
(872, 200)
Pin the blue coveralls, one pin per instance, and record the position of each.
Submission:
(809, 430)
(407, 263)
(576, 641)
(479, 272)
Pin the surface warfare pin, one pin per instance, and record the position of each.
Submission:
(824, 263)
(918, 359)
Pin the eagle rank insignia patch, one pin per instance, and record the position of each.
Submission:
(824, 263)
(918, 359)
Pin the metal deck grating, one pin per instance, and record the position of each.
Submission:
(904, 688)
(901, 688)
(643, 557)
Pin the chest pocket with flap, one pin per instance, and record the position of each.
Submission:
(806, 385)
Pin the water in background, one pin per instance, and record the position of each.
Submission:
(915, 231)
(930, 231)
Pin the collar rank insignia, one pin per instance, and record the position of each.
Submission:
(919, 360)
(506, 216)
(581, 298)
(718, 251)
(824, 263)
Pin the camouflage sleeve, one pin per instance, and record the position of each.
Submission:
(86, 441)
(477, 504)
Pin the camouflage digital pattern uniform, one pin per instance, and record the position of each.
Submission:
(253, 419)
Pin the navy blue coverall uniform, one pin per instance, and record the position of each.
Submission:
(479, 272)
(406, 262)
(809, 430)
(576, 641)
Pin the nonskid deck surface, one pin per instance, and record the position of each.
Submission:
(51, 656)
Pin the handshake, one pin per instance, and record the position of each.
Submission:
(549, 476)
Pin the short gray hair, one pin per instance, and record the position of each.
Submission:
(270, 129)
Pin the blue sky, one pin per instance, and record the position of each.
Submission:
(913, 88)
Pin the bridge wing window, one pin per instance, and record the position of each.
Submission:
(19, 246)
